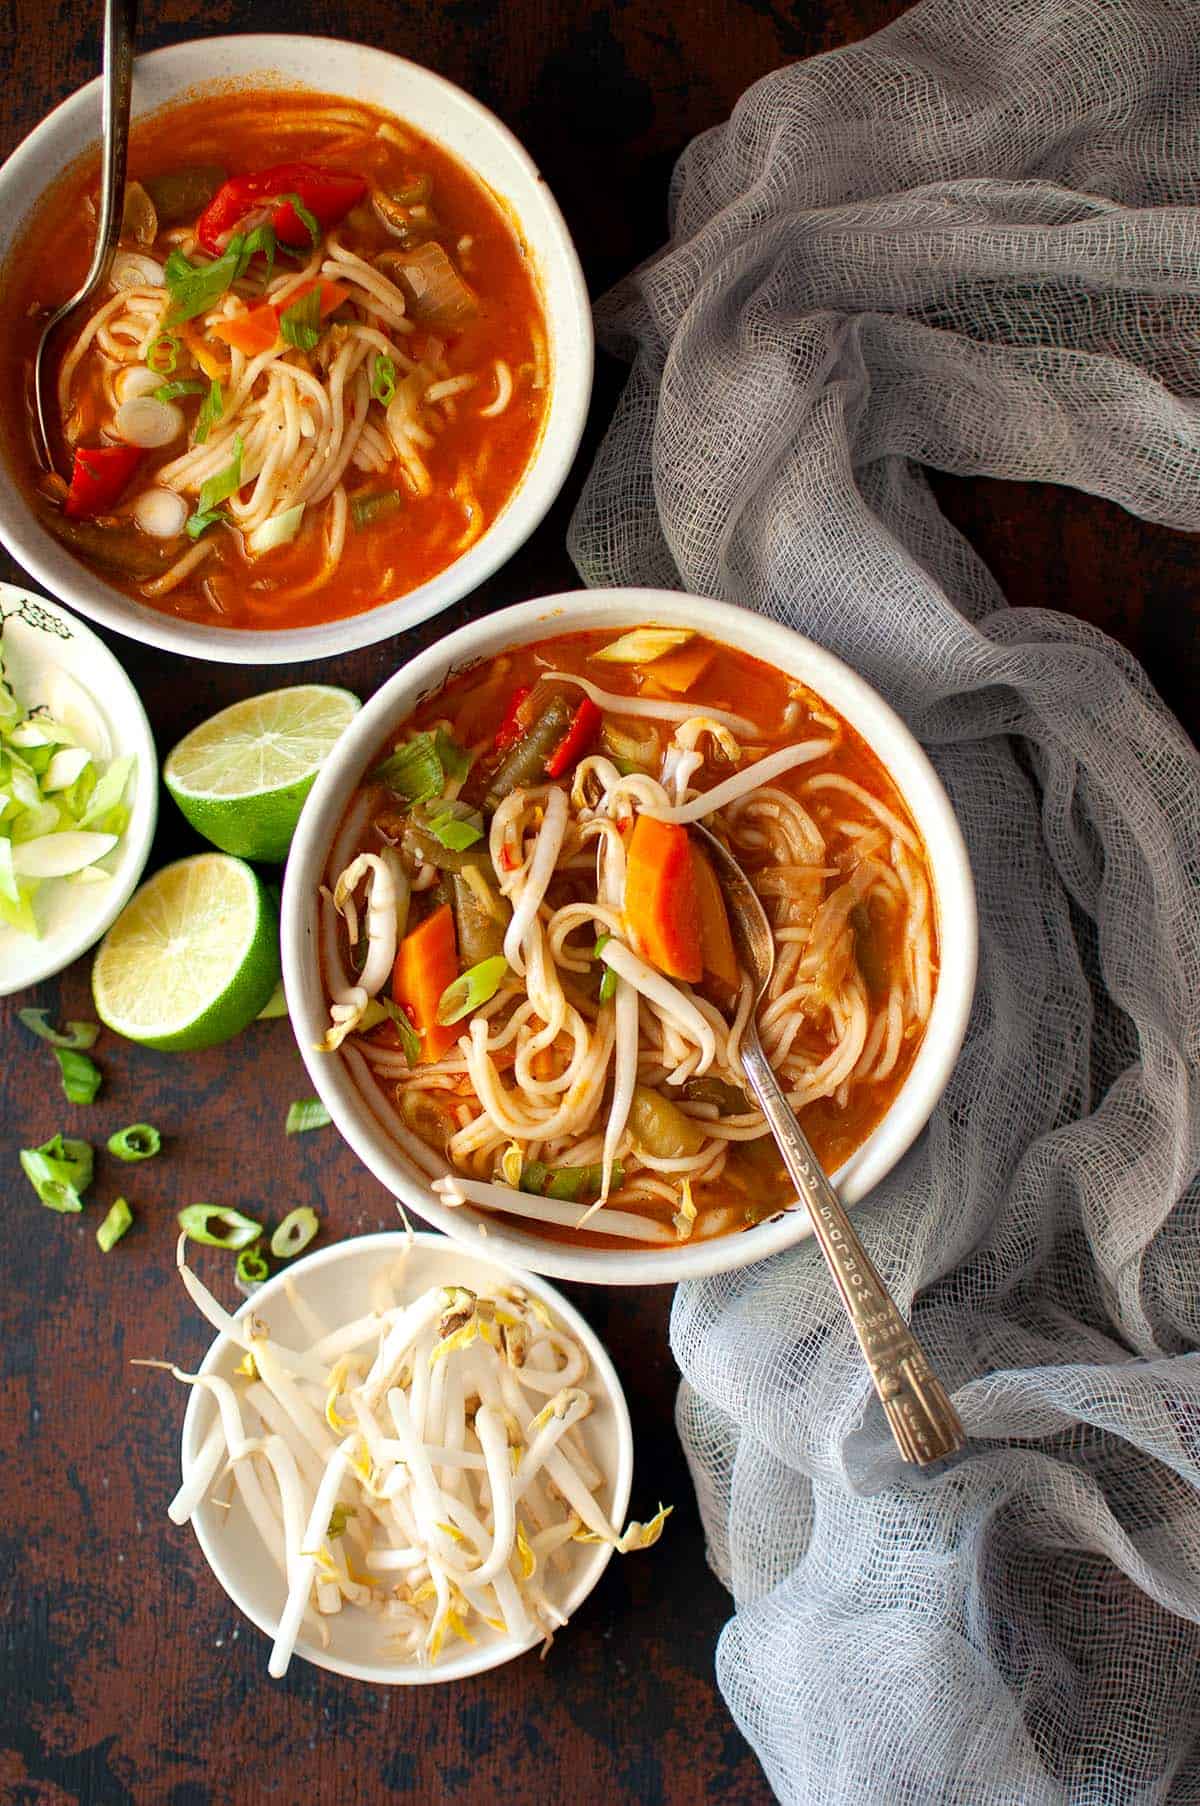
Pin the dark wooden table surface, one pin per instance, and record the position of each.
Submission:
(126, 1674)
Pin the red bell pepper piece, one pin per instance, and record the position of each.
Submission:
(324, 193)
(510, 728)
(99, 475)
(575, 742)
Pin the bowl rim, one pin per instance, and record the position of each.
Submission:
(571, 337)
(386, 1242)
(115, 696)
(830, 677)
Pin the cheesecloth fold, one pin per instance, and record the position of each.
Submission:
(970, 242)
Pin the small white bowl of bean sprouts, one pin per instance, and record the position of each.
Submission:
(405, 1462)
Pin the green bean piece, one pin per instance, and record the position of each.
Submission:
(180, 194)
(525, 761)
(480, 934)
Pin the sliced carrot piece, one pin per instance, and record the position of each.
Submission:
(257, 330)
(250, 333)
(716, 941)
(425, 964)
(661, 907)
(677, 671)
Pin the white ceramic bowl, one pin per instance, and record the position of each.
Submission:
(38, 637)
(879, 726)
(334, 1281)
(465, 128)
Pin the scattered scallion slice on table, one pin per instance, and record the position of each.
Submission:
(78, 1034)
(306, 1113)
(251, 1271)
(140, 1141)
(118, 1220)
(60, 1171)
(81, 1077)
(295, 1232)
(218, 1226)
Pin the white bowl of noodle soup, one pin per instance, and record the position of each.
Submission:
(457, 125)
(823, 676)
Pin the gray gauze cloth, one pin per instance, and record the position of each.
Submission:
(971, 242)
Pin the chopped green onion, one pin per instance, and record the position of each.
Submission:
(197, 1222)
(60, 1171)
(306, 1113)
(251, 1270)
(78, 1035)
(308, 220)
(262, 239)
(383, 379)
(188, 385)
(456, 760)
(118, 1220)
(280, 530)
(216, 490)
(194, 287)
(413, 770)
(81, 1077)
(377, 506)
(339, 1517)
(642, 645)
(295, 1232)
(410, 1040)
(140, 1141)
(453, 832)
(162, 354)
(608, 981)
(211, 409)
(300, 324)
(569, 1184)
(472, 989)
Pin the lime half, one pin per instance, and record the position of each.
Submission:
(192, 958)
(241, 777)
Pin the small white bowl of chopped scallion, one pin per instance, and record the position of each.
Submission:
(78, 788)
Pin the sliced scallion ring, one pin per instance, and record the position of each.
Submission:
(306, 1113)
(118, 1220)
(78, 1034)
(251, 1271)
(197, 1222)
(472, 989)
(81, 1077)
(295, 1232)
(60, 1171)
(140, 1141)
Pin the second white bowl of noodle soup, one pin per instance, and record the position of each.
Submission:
(473, 135)
(800, 659)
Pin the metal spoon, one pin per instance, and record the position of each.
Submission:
(923, 1420)
(120, 21)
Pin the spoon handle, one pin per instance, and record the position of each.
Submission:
(923, 1420)
(120, 27)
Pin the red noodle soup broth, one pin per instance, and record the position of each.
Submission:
(315, 376)
(528, 960)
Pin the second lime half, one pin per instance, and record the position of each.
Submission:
(241, 777)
